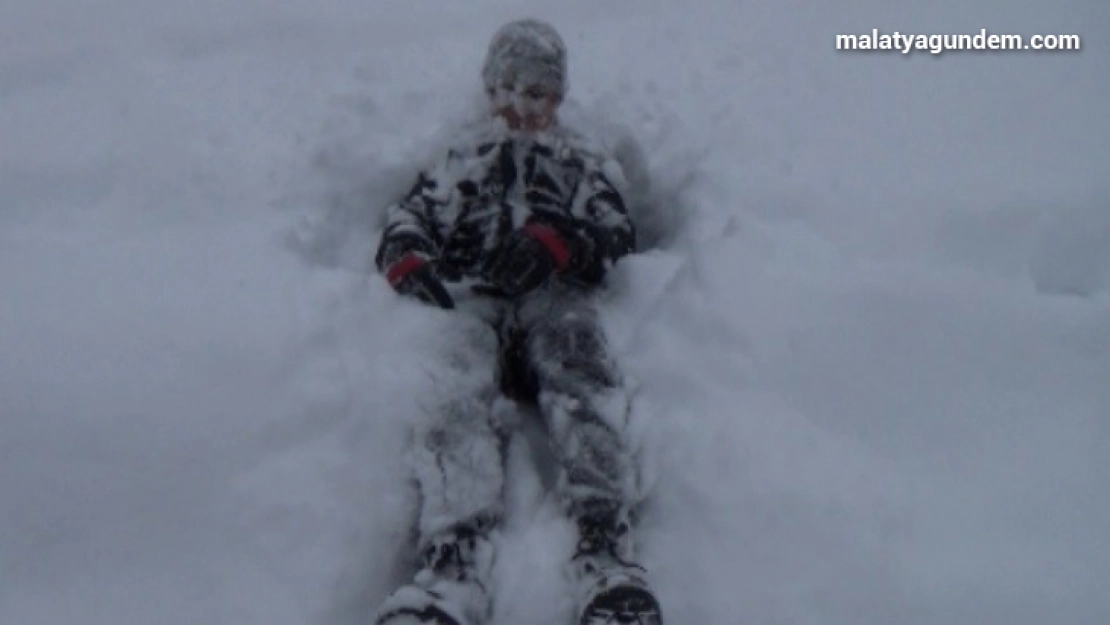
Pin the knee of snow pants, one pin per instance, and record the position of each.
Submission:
(581, 396)
(456, 455)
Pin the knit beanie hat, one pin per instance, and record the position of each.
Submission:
(526, 53)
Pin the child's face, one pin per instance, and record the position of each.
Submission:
(531, 108)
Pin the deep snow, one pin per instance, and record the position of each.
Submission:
(870, 335)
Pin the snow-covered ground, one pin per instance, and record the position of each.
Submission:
(870, 338)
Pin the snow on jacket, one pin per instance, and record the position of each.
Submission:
(462, 209)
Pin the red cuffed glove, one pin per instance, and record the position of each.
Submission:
(528, 259)
(412, 274)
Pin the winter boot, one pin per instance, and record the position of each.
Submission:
(451, 586)
(611, 587)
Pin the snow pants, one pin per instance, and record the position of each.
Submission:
(546, 347)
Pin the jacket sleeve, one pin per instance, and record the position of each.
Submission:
(599, 230)
(414, 224)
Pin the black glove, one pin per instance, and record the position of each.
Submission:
(413, 275)
(527, 259)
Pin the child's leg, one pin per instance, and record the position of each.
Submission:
(457, 463)
(581, 396)
(585, 407)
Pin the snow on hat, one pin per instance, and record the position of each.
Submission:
(526, 53)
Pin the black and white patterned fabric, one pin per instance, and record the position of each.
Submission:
(545, 346)
(463, 207)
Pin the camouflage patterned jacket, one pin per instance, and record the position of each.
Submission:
(460, 211)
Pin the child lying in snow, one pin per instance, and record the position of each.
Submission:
(526, 210)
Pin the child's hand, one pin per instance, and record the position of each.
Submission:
(413, 275)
